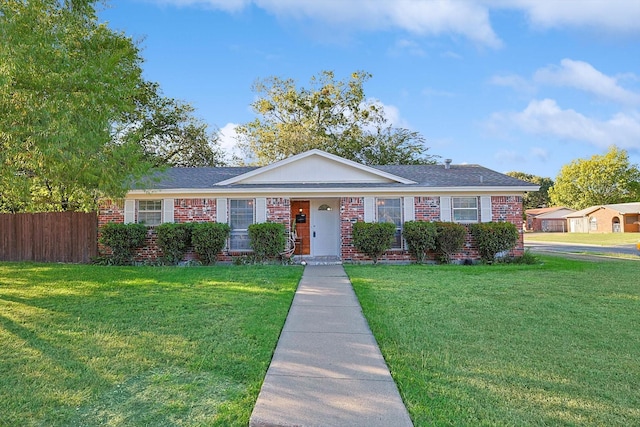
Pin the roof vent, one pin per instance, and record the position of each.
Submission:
(447, 163)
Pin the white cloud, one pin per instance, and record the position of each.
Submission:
(391, 113)
(470, 19)
(613, 16)
(419, 17)
(582, 75)
(545, 118)
(228, 141)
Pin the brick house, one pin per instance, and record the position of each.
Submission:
(321, 196)
(547, 219)
(615, 218)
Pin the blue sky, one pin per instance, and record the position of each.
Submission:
(524, 85)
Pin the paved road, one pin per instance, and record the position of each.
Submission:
(626, 250)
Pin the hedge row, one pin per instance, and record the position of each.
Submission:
(443, 238)
(207, 239)
(268, 239)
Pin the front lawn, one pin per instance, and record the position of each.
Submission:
(123, 346)
(602, 239)
(550, 344)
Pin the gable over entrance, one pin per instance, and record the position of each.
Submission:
(316, 166)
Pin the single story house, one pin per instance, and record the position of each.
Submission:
(322, 195)
(547, 219)
(615, 218)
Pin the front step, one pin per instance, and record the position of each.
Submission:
(317, 260)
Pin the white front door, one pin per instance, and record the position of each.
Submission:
(325, 227)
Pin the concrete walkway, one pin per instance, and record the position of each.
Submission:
(327, 369)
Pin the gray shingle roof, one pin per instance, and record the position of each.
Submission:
(423, 175)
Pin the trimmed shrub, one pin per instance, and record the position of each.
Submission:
(122, 239)
(208, 240)
(373, 238)
(267, 240)
(494, 237)
(420, 237)
(449, 239)
(174, 240)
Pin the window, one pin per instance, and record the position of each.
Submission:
(465, 209)
(390, 210)
(593, 224)
(240, 218)
(150, 212)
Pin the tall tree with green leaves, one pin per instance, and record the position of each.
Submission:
(600, 180)
(64, 80)
(535, 199)
(77, 119)
(168, 131)
(332, 115)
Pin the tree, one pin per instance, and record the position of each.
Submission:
(600, 180)
(535, 199)
(332, 115)
(73, 103)
(64, 78)
(168, 132)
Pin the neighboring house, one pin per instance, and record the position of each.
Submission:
(616, 218)
(322, 196)
(547, 219)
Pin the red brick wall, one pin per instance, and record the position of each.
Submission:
(427, 208)
(279, 210)
(351, 210)
(111, 211)
(504, 208)
(194, 210)
(509, 208)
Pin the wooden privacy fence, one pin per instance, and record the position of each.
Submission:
(49, 237)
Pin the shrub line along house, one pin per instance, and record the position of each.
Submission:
(321, 196)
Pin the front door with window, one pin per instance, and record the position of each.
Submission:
(300, 217)
(325, 227)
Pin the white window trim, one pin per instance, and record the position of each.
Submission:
(161, 211)
(467, 221)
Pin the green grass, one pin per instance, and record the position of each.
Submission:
(505, 345)
(584, 238)
(118, 346)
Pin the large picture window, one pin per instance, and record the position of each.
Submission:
(150, 212)
(241, 216)
(390, 210)
(465, 209)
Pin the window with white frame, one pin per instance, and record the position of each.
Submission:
(390, 210)
(241, 216)
(593, 223)
(150, 212)
(464, 209)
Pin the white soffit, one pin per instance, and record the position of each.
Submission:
(315, 166)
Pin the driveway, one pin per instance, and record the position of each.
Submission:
(627, 251)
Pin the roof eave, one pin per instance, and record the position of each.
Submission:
(266, 190)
